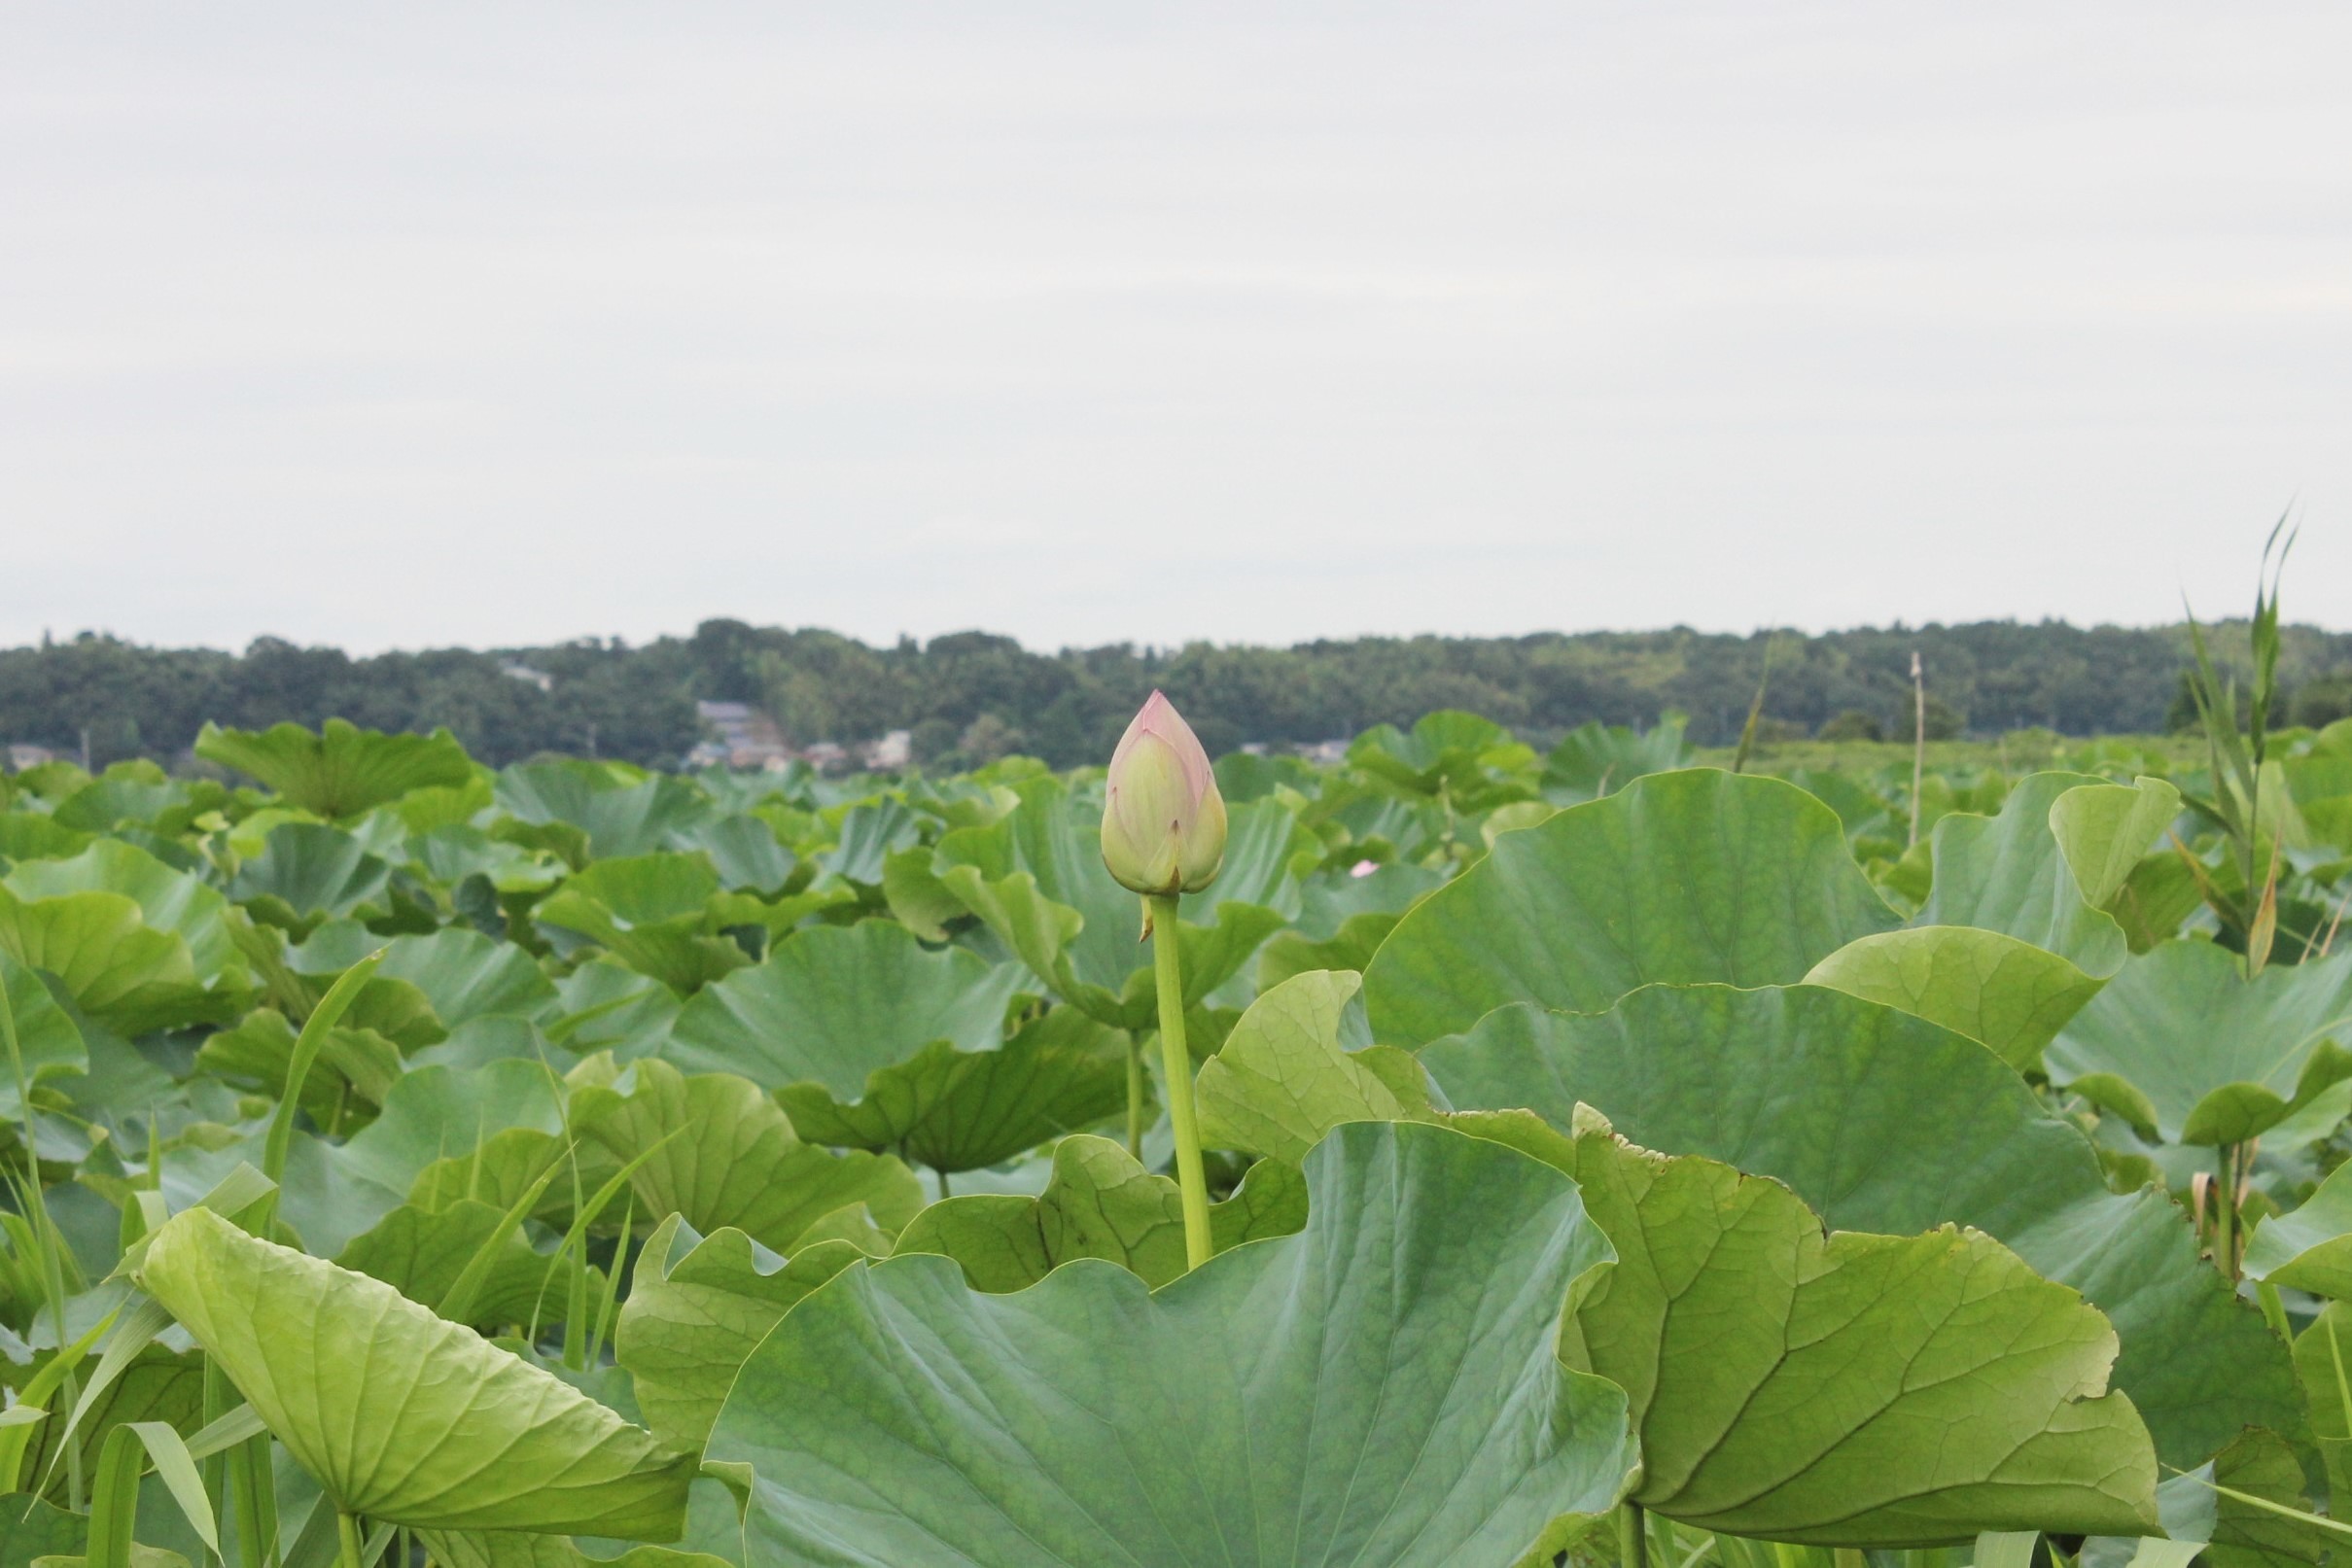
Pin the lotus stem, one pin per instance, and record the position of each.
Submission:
(1177, 1061)
(347, 1531)
(1632, 1537)
(2224, 1216)
(1135, 1100)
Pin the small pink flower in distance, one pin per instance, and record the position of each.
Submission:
(1163, 819)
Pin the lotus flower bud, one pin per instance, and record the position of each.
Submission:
(1162, 821)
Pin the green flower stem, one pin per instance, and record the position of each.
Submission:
(347, 1531)
(1632, 1537)
(1135, 1098)
(1191, 1180)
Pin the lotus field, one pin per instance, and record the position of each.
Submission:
(1457, 1155)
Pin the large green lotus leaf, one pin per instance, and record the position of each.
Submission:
(620, 816)
(119, 969)
(2011, 873)
(731, 1158)
(609, 1006)
(340, 770)
(1595, 759)
(2186, 1047)
(697, 1307)
(835, 1004)
(2323, 1359)
(466, 975)
(871, 832)
(650, 911)
(1845, 1389)
(1282, 1080)
(2104, 831)
(504, 1166)
(31, 1529)
(1056, 843)
(160, 1384)
(49, 1044)
(1442, 748)
(2012, 940)
(962, 1110)
(1884, 1123)
(27, 836)
(312, 869)
(1351, 947)
(432, 1114)
(744, 852)
(1379, 1389)
(399, 1415)
(1333, 898)
(2004, 993)
(259, 1050)
(516, 1548)
(1098, 1202)
(1264, 841)
(1848, 1389)
(451, 854)
(2262, 1467)
(420, 1252)
(1685, 877)
(168, 901)
(639, 890)
(138, 794)
(2308, 1247)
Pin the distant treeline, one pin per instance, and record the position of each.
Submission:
(972, 696)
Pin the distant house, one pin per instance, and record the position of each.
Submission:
(895, 750)
(523, 672)
(21, 757)
(742, 737)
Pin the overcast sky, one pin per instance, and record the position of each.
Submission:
(402, 326)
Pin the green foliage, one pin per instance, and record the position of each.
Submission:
(580, 1116)
(400, 1416)
(1381, 1388)
(341, 770)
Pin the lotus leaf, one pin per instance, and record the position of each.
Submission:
(833, 1004)
(1098, 1204)
(1381, 1388)
(1595, 759)
(2308, 1247)
(959, 1111)
(1690, 876)
(697, 1305)
(421, 1251)
(465, 975)
(399, 1415)
(724, 1154)
(650, 911)
(619, 814)
(48, 1043)
(2187, 1048)
(312, 870)
(1847, 1388)
(341, 770)
(1280, 1081)
(1884, 1123)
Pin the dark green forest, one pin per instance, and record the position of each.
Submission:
(971, 696)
